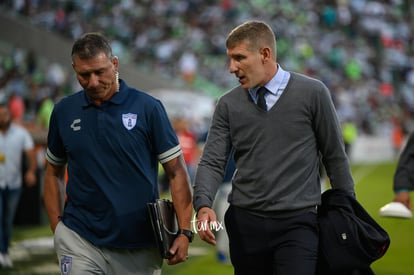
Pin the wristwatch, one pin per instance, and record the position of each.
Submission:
(188, 233)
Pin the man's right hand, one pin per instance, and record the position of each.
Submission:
(205, 216)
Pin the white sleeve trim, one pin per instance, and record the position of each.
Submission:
(53, 159)
(170, 154)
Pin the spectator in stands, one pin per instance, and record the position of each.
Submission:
(15, 142)
(44, 113)
(397, 138)
(17, 108)
(188, 66)
(349, 134)
(188, 143)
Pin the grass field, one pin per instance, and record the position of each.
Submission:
(373, 188)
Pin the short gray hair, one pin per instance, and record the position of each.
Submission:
(90, 45)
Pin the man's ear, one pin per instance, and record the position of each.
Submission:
(115, 61)
(265, 54)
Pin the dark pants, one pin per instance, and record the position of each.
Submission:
(263, 246)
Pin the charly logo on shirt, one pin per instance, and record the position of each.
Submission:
(129, 120)
(76, 124)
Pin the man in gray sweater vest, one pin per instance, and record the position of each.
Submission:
(272, 218)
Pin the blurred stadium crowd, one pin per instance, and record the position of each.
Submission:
(363, 50)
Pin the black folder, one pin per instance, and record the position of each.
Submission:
(164, 223)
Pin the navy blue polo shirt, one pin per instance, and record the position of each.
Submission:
(112, 153)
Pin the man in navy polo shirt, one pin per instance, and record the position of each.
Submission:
(109, 138)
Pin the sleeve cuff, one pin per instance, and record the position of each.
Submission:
(402, 190)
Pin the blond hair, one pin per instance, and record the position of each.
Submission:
(257, 34)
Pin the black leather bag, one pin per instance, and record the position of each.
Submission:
(349, 238)
(164, 223)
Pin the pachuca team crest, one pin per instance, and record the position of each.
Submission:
(129, 120)
(65, 265)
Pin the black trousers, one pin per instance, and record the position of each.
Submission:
(280, 246)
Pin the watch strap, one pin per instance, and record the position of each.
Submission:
(188, 233)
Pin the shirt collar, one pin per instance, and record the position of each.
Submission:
(117, 98)
(274, 84)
